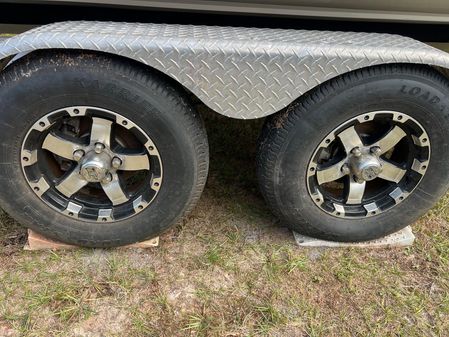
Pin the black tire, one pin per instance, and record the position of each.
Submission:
(290, 138)
(46, 81)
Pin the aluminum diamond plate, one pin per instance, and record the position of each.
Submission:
(238, 72)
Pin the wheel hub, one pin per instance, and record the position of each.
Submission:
(364, 166)
(95, 167)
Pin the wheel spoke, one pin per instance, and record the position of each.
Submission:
(72, 183)
(356, 192)
(101, 131)
(331, 173)
(390, 139)
(134, 162)
(391, 172)
(60, 146)
(350, 139)
(114, 191)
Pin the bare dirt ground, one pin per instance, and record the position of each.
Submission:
(228, 270)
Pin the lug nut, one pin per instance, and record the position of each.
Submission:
(345, 169)
(376, 150)
(78, 154)
(99, 147)
(356, 152)
(108, 178)
(116, 162)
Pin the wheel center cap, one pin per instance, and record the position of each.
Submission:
(95, 167)
(371, 172)
(365, 167)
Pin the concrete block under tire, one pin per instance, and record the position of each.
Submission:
(401, 238)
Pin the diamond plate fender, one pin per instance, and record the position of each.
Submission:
(238, 72)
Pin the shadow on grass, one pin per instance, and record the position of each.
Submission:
(12, 235)
(233, 145)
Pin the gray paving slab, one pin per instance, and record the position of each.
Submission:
(402, 238)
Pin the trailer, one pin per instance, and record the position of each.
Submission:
(101, 145)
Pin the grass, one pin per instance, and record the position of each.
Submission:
(228, 270)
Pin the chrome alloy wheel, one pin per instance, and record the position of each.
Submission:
(368, 164)
(91, 163)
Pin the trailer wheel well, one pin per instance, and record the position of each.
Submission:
(283, 113)
(4, 63)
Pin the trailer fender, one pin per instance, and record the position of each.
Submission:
(238, 72)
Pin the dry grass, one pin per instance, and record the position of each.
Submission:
(229, 270)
